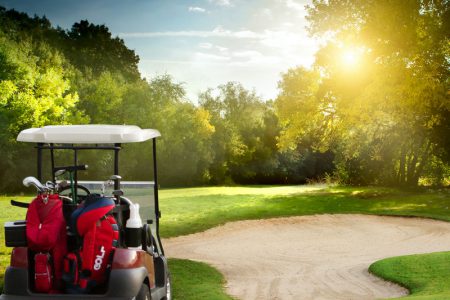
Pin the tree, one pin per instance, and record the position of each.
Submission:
(383, 87)
(244, 144)
(92, 46)
(185, 150)
(34, 91)
(101, 96)
(184, 147)
(308, 123)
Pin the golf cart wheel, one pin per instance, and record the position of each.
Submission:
(168, 288)
(144, 293)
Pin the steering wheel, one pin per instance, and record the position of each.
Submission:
(78, 187)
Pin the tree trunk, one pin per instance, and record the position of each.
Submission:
(423, 162)
(401, 170)
(411, 169)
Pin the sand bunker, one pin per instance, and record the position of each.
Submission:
(310, 257)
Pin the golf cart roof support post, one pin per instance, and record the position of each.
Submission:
(75, 177)
(116, 165)
(155, 179)
(39, 161)
(155, 175)
(52, 157)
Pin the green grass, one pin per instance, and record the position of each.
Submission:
(8, 213)
(191, 210)
(426, 276)
(195, 280)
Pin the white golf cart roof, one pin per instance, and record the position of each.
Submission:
(87, 134)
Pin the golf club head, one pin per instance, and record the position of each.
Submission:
(50, 185)
(62, 184)
(30, 180)
(60, 172)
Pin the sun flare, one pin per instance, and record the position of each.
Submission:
(350, 57)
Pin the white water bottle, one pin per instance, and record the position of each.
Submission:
(133, 228)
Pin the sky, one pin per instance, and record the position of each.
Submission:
(200, 43)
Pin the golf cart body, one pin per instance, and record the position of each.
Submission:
(136, 271)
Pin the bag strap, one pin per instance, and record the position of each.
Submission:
(89, 249)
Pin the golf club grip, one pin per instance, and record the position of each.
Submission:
(71, 168)
(19, 204)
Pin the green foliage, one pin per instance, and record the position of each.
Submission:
(384, 111)
(50, 76)
(308, 126)
(34, 91)
(298, 107)
(102, 96)
(93, 46)
(245, 138)
(184, 149)
(384, 120)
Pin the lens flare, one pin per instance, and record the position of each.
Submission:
(350, 57)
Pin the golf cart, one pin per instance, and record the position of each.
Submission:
(86, 239)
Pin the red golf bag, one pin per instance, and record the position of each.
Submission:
(46, 236)
(89, 266)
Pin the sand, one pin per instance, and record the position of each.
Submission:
(310, 257)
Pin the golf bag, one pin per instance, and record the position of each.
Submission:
(88, 267)
(46, 237)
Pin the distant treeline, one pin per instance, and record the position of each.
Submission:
(388, 126)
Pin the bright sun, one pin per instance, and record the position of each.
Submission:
(350, 57)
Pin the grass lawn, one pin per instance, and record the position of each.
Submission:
(425, 275)
(196, 280)
(190, 210)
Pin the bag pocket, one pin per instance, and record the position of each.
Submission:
(43, 277)
(71, 269)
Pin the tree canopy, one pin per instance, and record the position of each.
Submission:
(377, 95)
(373, 109)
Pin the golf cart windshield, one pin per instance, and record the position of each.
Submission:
(141, 192)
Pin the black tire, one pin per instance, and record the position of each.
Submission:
(144, 293)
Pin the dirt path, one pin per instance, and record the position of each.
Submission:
(311, 257)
